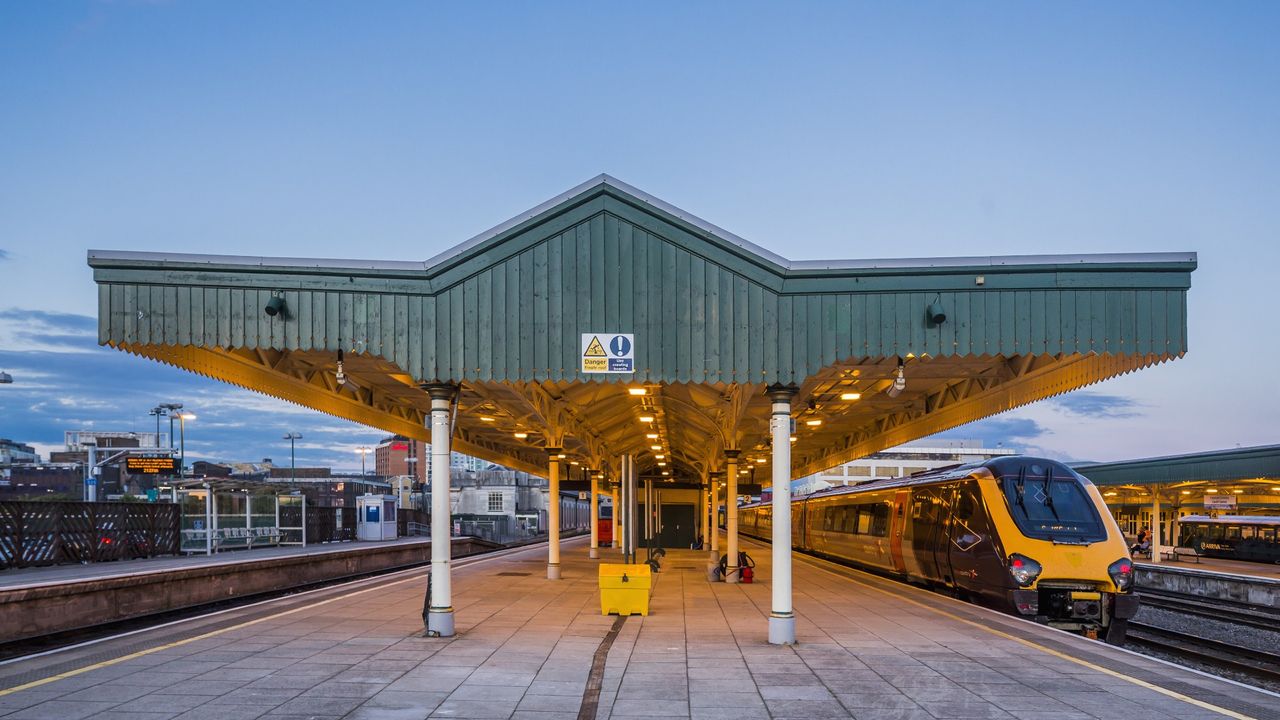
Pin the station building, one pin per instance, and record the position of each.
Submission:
(609, 328)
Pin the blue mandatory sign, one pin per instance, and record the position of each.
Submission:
(620, 346)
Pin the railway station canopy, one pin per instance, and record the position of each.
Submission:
(1251, 468)
(709, 320)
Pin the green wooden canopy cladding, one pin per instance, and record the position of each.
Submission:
(715, 319)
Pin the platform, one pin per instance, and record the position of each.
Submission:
(869, 648)
(1269, 571)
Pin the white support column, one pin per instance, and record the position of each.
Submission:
(715, 517)
(553, 514)
(782, 619)
(731, 515)
(440, 612)
(617, 538)
(1155, 523)
(594, 552)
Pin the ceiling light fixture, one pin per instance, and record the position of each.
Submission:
(851, 396)
(793, 438)
(646, 418)
(638, 391)
(521, 435)
(899, 382)
(485, 418)
(813, 423)
(661, 457)
(655, 447)
(651, 436)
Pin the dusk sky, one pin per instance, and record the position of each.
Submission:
(396, 130)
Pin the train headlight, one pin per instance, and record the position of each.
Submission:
(1023, 569)
(1121, 572)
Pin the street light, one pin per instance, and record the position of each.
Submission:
(363, 450)
(159, 412)
(173, 409)
(293, 460)
(182, 431)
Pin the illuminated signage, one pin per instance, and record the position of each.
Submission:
(141, 465)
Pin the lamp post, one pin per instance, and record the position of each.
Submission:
(363, 450)
(173, 409)
(159, 412)
(293, 460)
(182, 432)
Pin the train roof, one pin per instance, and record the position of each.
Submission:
(1233, 519)
(998, 466)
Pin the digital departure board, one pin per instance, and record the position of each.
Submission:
(136, 465)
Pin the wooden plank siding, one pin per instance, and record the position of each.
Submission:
(695, 320)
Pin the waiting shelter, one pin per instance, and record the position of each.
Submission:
(1237, 481)
(610, 329)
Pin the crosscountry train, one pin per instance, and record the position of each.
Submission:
(1025, 535)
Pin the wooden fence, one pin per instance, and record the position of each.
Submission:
(56, 533)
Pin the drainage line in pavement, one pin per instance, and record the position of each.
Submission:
(591, 696)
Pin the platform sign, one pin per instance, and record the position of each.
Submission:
(608, 353)
(1219, 502)
(142, 465)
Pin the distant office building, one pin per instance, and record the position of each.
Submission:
(907, 459)
(397, 456)
(32, 482)
(76, 444)
(16, 453)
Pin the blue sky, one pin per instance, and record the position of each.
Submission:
(395, 130)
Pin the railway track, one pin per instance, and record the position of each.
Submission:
(1235, 614)
(1215, 653)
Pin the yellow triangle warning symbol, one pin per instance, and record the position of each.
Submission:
(594, 349)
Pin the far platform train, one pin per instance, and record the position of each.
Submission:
(1026, 535)
(1237, 537)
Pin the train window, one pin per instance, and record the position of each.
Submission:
(829, 517)
(880, 520)
(848, 518)
(1267, 534)
(864, 521)
(1247, 532)
(1051, 506)
(965, 505)
(1233, 532)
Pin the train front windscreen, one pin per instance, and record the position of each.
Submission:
(1049, 502)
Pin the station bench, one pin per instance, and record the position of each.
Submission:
(227, 538)
(1181, 553)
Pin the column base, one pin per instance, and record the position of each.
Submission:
(782, 630)
(593, 553)
(440, 623)
(553, 571)
(732, 575)
(714, 555)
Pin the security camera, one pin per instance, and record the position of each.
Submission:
(937, 315)
(275, 306)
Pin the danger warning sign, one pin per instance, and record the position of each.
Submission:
(608, 353)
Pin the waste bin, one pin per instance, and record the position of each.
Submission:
(624, 589)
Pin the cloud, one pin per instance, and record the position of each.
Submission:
(1092, 404)
(24, 330)
(64, 381)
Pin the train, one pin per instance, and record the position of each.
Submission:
(1237, 537)
(1026, 535)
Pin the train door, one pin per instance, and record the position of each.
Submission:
(897, 524)
(974, 559)
(925, 517)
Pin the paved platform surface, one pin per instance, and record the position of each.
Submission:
(869, 649)
(53, 574)
(1271, 571)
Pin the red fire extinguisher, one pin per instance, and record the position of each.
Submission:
(746, 565)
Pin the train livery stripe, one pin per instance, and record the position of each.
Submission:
(1050, 651)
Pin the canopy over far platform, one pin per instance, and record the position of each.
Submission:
(1258, 465)
(715, 321)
